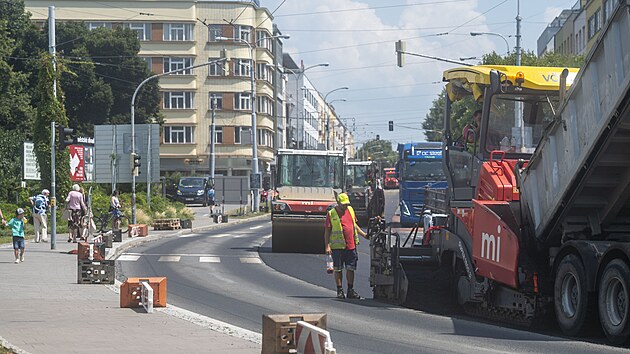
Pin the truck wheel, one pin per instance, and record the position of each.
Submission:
(571, 295)
(614, 301)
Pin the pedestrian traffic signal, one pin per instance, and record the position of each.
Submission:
(391, 125)
(65, 137)
(135, 164)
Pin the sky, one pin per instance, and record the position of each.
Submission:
(357, 38)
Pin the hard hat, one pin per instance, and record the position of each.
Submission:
(343, 199)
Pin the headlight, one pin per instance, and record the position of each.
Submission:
(200, 192)
(179, 192)
(404, 209)
(279, 206)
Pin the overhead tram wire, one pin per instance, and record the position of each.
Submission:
(369, 8)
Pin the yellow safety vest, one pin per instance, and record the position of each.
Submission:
(337, 241)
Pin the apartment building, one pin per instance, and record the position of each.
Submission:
(172, 37)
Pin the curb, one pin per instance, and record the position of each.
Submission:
(12, 348)
(117, 251)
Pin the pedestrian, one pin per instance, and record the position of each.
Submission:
(114, 208)
(40, 205)
(76, 205)
(4, 222)
(211, 199)
(341, 239)
(17, 230)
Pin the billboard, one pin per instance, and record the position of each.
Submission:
(77, 163)
(31, 169)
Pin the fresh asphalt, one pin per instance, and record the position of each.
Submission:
(239, 279)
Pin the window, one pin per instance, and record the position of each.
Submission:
(263, 40)
(591, 27)
(178, 100)
(178, 32)
(242, 101)
(218, 98)
(215, 69)
(179, 135)
(242, 67)
(264, 71)
(149, 62)
(242, 135)
(218, 135)
(609, 7)
(244, 33)
(214, 31)
(95, 25)
(142, 29)
(265, 137)
(264, 105)
(598, 20)
(176, 63)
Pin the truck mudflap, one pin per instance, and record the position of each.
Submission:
(297, 233)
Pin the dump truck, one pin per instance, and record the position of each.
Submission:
(539, 202)
(307, 182)
(361, 180)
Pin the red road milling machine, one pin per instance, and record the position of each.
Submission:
(539, 202)
(307, 182)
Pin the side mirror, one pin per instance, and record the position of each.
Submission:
(495, 81)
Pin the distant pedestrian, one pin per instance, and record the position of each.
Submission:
(114, 208)
(17, 230)
(76, 205)
(4, 222)
(341, 238)
(211, 200)
(40, 205)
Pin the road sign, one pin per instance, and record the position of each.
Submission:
(31, 169)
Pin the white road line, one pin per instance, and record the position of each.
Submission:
(220, 235)
(209, 260)
(256, 227)
(128, 258)
(191, 235)
(251, 260)
(169, 259)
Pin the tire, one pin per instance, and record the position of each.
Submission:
(614, 302)
(571, 295)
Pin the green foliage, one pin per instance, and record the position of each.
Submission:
(378, 150)
(462, 110)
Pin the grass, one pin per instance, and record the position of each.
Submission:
(4, 350)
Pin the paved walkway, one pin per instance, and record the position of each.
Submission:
(44, 310)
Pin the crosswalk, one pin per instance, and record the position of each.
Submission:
(175, 258)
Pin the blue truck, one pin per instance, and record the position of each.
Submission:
(419, 166)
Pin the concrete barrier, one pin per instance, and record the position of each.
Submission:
(134, 293)
(310, 339)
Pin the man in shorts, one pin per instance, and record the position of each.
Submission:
(341, 238)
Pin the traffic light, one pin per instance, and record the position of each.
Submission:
(391, 125)
(378, 137)
(135, 164)
(400, 51)
(65, 137)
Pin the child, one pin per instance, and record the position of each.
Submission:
(17, 228)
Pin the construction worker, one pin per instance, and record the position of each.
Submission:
(341, 240)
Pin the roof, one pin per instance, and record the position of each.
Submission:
(536, 78)
(359, 163)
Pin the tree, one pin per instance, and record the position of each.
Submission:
(50, 109)
(378, 150)
(462, 110)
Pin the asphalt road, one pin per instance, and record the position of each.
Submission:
(231, 275)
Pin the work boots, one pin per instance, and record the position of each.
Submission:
(340, 294)
(352, 294)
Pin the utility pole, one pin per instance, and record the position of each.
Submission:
(519, 105)
(52, 47)
(213, 103)
(149, 168)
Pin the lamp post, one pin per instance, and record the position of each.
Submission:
(330, 103)
(298, 74)
(252, 68)
(328, 115)
(133, 126)
(474, 34)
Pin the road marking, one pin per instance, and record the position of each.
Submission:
(256, 227)
(191, 235)
(220, 235)
(251, 260)
(169, 259)
(128, 258)
(209, 260)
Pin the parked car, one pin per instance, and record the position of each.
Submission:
(193, 190)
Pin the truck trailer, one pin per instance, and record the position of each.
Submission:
(539, 202)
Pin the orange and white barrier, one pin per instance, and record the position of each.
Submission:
(310, 339)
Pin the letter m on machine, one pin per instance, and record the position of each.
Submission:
(495, 245)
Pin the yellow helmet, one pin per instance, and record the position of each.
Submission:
(343, 198)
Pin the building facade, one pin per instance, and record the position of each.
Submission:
(178, 34)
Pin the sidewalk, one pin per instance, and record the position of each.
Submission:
(44, 310)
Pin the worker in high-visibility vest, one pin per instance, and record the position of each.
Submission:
(341, 238)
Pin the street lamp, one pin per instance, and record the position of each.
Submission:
(474, 34)
(297, 75)
(328, 115)
(330, 103)
(133, 126)
(256, 194)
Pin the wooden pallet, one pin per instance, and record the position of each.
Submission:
(166, 224)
